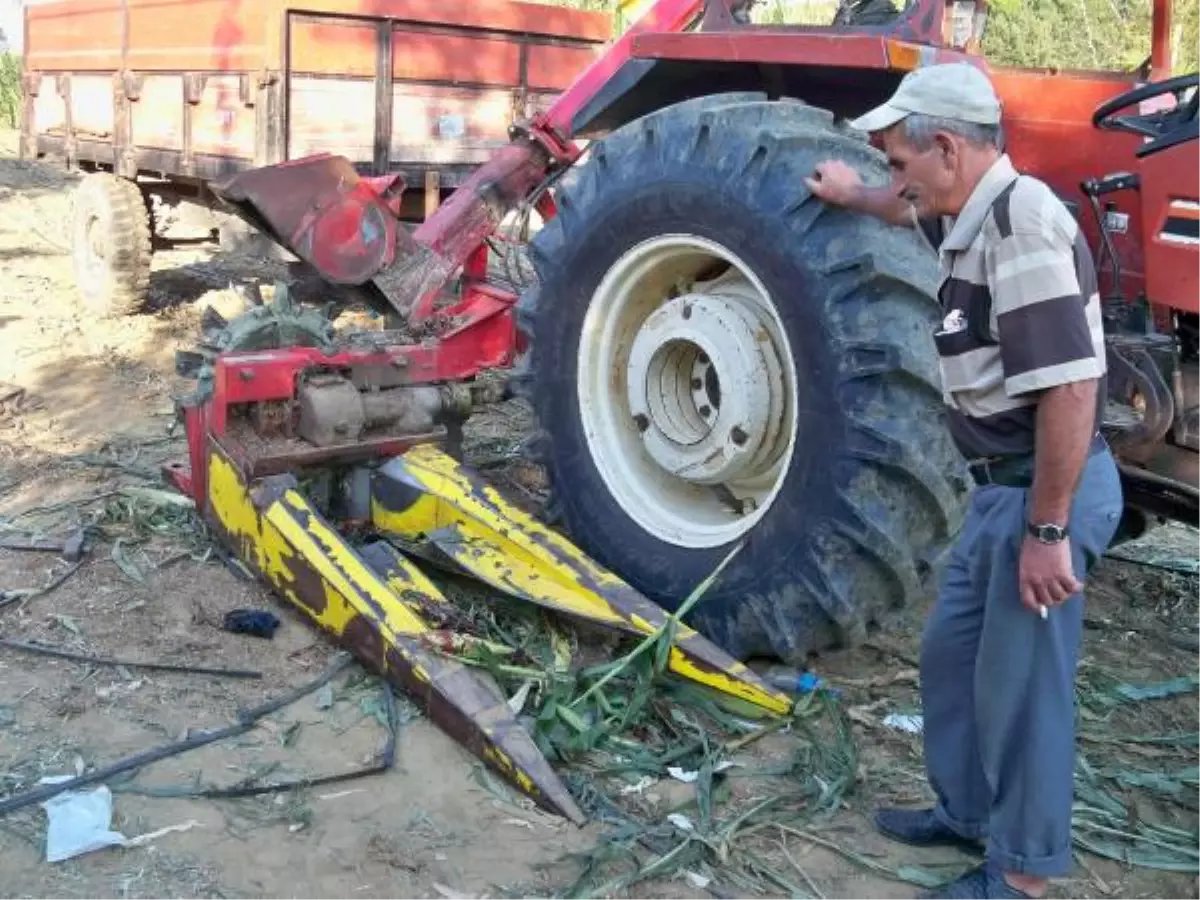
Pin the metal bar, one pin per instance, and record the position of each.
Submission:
(285, 91)
(433, 191)
(45, 650)
(387, 760)
(521, 100)
(245, 722)
(193, 92)
(859, 51)
(63, 85)
(37, 546)
(260, 465)
(383, 97)
(168, 162)
(1160, 40)
(31, 86)
(418, 26)
(1160, 495)
(506, 18)
(663, 16)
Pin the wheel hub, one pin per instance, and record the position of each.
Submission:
(705, 388)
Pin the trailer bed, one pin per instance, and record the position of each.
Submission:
(193, 90)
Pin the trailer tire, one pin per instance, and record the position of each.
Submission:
(111, 245)
(870, 489)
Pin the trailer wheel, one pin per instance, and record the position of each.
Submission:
(715, 356)
(111, 245)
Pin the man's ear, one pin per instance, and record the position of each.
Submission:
(946, 149)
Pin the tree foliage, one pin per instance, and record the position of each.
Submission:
(1069, 34)
(1186, 36)
(10, 90)
(1113, 35)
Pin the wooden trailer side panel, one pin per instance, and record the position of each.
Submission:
(200, 35)
(162, 87)
(454, 91)
(148, 35)
(201, 88)
(74, 36)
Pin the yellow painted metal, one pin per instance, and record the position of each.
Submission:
(629, 11)
(411, 585)
(426, 499)
(274, 529)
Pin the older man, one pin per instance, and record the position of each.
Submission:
(1023, 364)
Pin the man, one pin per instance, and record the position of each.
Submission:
(1023, 363)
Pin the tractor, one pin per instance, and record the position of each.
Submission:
(715, 358)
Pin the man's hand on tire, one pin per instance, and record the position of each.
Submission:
(835, 182)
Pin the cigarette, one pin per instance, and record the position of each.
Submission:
(1042, 611)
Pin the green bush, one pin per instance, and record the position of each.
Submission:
(1113, 35)
(10, 90)
(1186, 48)
(1069, 34)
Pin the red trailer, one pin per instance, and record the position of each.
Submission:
(169, 94)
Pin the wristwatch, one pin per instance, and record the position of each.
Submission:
(1049, 534)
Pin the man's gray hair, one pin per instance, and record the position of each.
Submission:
(919, 129)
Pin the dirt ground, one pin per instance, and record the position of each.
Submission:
(85, 407)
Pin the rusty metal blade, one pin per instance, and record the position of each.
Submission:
(427, 500)
(319, 208)
(410, 584)
(274, 529)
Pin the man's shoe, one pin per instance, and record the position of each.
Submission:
(921, 828)
(982, 883)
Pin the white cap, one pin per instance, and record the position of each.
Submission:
(957, 91)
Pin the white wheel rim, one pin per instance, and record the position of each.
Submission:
(687, 391)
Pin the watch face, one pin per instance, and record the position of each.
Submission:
(1049, 532)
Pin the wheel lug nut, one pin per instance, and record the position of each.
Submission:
(738, 436)
(697, 384)
(705, 411)
(641, 421)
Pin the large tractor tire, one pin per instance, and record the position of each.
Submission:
(111, 245)
(715, 357)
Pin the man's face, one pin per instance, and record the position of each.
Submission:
(926, 178)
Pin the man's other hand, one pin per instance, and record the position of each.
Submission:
(835, 182)
(1046, 575)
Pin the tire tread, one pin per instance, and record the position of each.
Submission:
(130, 245)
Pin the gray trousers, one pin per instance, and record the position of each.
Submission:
(998, 682)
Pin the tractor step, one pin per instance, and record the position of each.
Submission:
(449, 515)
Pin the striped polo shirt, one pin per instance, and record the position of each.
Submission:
(1021, 311)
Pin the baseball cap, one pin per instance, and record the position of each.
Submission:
(949, 90)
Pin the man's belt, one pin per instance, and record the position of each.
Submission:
(1017, 471)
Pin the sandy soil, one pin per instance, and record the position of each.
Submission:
(93, 410)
